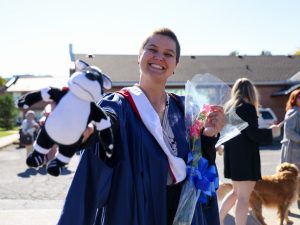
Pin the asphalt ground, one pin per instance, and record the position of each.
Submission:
(31, 197)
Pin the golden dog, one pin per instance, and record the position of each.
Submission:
(276, 191)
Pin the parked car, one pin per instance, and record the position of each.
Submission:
(266, 118)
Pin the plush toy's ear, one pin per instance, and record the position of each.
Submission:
(107, 84)
(80, 65)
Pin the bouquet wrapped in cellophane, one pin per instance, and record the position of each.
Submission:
(202, 181)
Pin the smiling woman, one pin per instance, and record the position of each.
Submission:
(141, 182)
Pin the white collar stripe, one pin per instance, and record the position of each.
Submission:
(152, 122)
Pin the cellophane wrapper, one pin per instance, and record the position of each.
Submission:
(203, 90)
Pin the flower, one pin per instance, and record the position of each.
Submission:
(201, 178)
(196, 128)
(199, 121)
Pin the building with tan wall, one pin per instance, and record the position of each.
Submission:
(274, 76)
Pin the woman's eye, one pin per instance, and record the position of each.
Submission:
(168, 54)
(152, 50)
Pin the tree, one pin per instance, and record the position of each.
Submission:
(266, 53)
(297, 52)
(234, 53)
(8, 111)
(2, 81)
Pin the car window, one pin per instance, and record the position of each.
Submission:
(266, 115)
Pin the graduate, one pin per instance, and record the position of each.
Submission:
(141, 183)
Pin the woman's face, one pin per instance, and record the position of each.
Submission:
(30, 116)
(157, 60)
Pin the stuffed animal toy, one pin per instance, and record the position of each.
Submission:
(75, 108)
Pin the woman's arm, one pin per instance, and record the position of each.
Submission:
(255, 134)
(208, 148)
(290, 127)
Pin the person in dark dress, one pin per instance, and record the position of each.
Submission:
(241, 154)
(141, 183)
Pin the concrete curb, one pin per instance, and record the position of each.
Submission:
(8, 140)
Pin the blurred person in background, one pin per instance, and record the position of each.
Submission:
(290, 148)
(241, 154)
(29, 129)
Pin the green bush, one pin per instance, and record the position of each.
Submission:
(8, 111)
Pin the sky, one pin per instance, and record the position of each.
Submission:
(35, 34)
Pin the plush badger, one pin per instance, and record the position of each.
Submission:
(75, 109)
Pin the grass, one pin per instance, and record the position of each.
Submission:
(4, 132)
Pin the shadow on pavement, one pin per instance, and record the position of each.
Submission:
(41, 170)
(229, 220)
(28, 172)
(65, 171)
(251, 220)
(294, 215)
(275, 147)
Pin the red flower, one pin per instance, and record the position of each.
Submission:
(195, 129)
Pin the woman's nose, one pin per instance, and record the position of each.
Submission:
(159, 56)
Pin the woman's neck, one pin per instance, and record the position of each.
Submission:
(157, 97)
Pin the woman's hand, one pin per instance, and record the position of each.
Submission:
(88, 131)
(276, 130)
(215, 121)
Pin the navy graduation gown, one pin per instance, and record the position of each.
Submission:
(130, 188)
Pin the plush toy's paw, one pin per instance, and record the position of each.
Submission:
(107, 140)
(35, 159)
(21, 103)
(54, 168)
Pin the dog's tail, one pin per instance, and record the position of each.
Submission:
(224, 189)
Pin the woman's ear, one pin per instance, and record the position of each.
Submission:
(138, 61)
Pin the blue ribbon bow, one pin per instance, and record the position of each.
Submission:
(204, 178)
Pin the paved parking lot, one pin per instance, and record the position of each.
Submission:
(30, 197)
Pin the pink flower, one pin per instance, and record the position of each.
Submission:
(196, 128)
(205, 109)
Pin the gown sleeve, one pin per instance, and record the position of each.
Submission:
(208, 146)
(290, 126)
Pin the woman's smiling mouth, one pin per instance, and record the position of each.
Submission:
(156, 66)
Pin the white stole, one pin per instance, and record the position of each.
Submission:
(151, 120)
